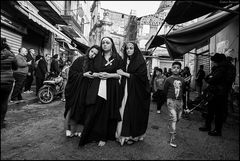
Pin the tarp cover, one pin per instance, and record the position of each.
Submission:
(183, 11)
(184, 40)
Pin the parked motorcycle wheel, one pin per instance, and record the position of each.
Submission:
(45, 96)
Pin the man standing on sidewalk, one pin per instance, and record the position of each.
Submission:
(20, 74)
(28, 82)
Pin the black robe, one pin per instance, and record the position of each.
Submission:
(136, 112)
(102, 115)
(76, 88)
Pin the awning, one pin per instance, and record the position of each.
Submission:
(69, 30)
(44, 23)
(80, 46)
(183, 11)
(184, 40)
(66, 44)
(41, 21)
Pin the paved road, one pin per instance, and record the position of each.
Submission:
(36, 132)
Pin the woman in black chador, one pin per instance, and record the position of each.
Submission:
(103, 97)
(136, 97)
(79, 79)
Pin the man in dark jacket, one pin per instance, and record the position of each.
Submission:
(41, 71)
(28, 82)
(216, 106)
(55, 70)
(8, 64)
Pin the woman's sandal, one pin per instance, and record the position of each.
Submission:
(130, 142)
(101, 143)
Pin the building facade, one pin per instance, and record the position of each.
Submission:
(105, 22)
(37, 25)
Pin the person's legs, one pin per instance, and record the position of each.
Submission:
(5, 92)
(28, 83)
(64, 86)
(161, 99)
(22, 81)
(219, 110)
(172, 121)
(39, 84)
(210, 116)
(17, 87)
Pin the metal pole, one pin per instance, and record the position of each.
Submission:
(170, 29)
(160, 27)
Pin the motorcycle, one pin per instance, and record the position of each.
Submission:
(52, 87)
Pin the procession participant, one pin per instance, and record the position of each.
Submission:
(103, 97)
(75, 91)
(136, 100)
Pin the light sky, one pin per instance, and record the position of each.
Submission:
(142, 8)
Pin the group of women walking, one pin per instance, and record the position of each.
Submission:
(107, 95)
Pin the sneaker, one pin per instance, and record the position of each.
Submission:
(78, 134)
(158, 111)
(172, 142)
(69, 133)
(101, 143)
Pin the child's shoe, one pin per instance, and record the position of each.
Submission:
(172, 142)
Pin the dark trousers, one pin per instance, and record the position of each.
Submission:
(28, 82)
(5, 92)
(160, 99)
(19, 83)
(216, 110)
(186, 99)
(199, 88)
(39, 84)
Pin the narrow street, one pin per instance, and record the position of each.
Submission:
(36, 132)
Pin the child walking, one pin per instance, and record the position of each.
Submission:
(158, 89)
(174, 87)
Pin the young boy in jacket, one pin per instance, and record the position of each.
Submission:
(174, 87)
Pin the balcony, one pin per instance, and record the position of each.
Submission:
(72, 19)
